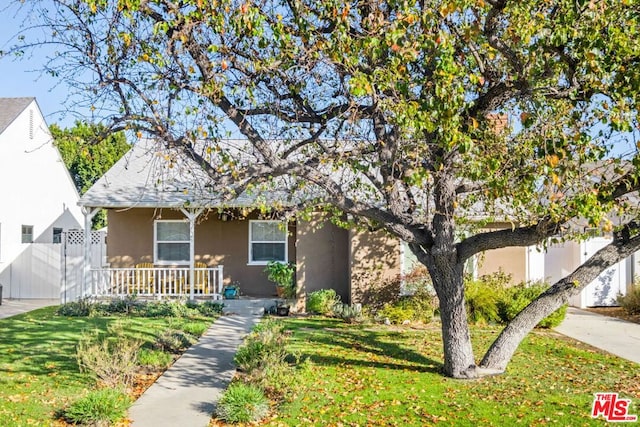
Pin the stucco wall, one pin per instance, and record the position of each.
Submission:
(374, 257)
(130, 241)
(510, 260)
(323, 257)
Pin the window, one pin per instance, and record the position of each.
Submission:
(57, 235)
(171, 242)
(267, 242)
(27, 234)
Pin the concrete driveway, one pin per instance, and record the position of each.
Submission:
(11, 307)
(613, 335)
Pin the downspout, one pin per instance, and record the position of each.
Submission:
(88, 213)
(192, 215)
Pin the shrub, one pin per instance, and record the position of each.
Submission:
(264, 346)
(393, 290)
(81, 308)
(112, 359)
(127, 305)
(631, 301)
(322, 301)
(483, 296)
(173, 341)
(242, 403)
(516, 298)
(164, 309)
(210, 308)
(349, 313)
(194, 328)
(100, 407)
(154, 358)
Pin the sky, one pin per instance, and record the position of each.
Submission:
(20, 78)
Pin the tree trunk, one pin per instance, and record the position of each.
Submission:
(458, 352)
(503, 348)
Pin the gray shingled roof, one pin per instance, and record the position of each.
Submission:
(10, 108)
(151, 176)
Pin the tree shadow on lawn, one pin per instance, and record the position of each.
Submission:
(367, 342)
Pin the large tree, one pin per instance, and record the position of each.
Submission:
(428, 119)
(88, 151)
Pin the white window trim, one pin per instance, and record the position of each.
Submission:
(155, 243)
(286, 242)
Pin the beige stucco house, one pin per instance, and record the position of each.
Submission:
(165, 227)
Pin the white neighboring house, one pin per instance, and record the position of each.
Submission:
(38, 201)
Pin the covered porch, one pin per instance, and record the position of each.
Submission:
(157, 282)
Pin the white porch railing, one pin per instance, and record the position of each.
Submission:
(156, 282)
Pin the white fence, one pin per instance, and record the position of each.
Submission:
(53, 270)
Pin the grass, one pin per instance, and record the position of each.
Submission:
(39, 374)
(390, 376)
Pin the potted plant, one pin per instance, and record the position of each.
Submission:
(231, 291)
(283, 275)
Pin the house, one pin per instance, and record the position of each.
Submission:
(39, 201)
(169, 230)
(170, 233)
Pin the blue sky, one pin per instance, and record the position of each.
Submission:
(20, 78)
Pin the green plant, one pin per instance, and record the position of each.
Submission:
(242, 403)
(127, 305)
(164, 309)
(194, 328)
(262, 347)
(154, 358)
(631, 301)
(349, 313)
(322, 301)
(173, 341)
(111, 358)
(100, 407)
(81, 308)
(517, 297)
(282, 274)
(483, 296)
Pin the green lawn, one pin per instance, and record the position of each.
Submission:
(389, 376)
(38, 370)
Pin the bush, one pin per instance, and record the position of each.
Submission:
(349, 313)
(164, 309)
(391, 291)
(154, 358)
(516, 298)
(81, 308)
(101, 407)
(483, 296)
(242, 403)
(112, 358)
(631, 301)
(210, 308)
(194, 328)
(418, 307)
(322, 301)
(127, 305)
(264, 346)
(173, 341)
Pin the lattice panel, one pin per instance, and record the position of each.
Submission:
(76, 237)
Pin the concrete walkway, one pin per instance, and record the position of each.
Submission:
(12, 307)
(185, 394)
(613, 335)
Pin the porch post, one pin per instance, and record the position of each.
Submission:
(88, 213)
(192, 215)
